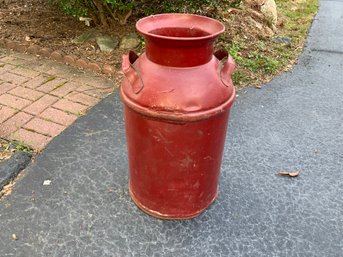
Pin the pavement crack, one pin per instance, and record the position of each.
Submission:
(326, 51)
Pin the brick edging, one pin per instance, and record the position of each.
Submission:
(59, 56)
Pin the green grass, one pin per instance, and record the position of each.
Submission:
(257, 61)
(51, 78)
(254, 61)
(23, 148)
(240, 77)
(298, 19)
(60, 85)
(18, 146)
(258, 58)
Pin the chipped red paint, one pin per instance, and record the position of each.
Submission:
(177, 98)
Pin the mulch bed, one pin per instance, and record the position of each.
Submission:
(36, 27)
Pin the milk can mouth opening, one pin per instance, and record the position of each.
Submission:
(180, 26)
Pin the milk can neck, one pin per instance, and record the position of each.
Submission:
(179, 52)
(179, 40)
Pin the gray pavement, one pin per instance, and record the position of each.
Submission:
(293, 123)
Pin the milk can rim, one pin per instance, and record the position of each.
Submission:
(142, 25)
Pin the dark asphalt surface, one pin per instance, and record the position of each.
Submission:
(293, 123)
(10, 168)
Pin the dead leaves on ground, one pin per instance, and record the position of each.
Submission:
(14, 237)
(289, 173)
(7, 189)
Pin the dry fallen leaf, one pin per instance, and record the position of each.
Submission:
(289, 174)
(7, 190)
(294, 174)
(47, 182)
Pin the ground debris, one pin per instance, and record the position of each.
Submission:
(47, 182)
(7, 190)
(14, 237)
(288, 173)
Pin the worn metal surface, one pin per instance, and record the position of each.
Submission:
(176, 113)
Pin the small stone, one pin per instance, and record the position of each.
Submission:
(129, 41)
(70, 59)
(81, 63)
(46, 52)
(33, 49)
(107, 43)
(268, 31)
(21, 48)
(57, 56)
(107, 69)
(269, 11)
(85, 37)
(94, 67)
(255, 23)
(256, 14)
(282, 40)
(253, 3)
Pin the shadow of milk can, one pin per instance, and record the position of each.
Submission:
(177, 97)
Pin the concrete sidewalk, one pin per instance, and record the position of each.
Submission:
(292, 124)
(39, 98)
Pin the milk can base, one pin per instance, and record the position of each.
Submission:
(164, 216)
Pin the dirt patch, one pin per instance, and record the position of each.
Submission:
(35, 22)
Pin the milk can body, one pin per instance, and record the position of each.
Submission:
(177, 97)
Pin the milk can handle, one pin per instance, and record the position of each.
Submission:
(227, 66)
(131, 73)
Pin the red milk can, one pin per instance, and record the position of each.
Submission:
(177, 97)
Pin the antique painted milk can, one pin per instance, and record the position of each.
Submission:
(177, 97)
